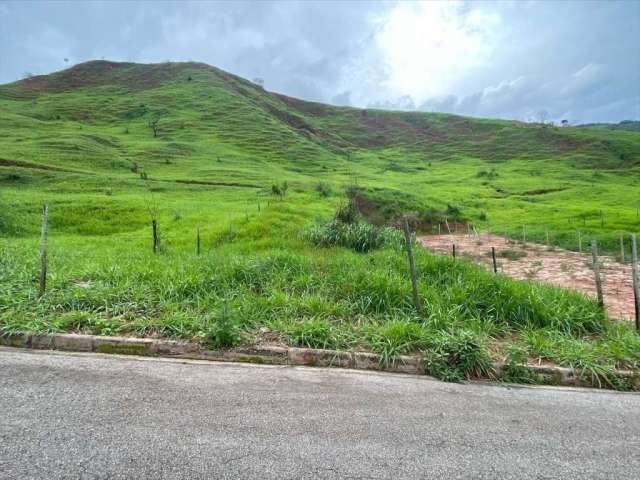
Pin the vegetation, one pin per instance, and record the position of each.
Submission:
(112, 146)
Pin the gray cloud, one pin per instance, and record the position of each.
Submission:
(577, 60)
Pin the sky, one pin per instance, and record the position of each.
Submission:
(523, 60)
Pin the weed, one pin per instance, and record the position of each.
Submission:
(455, 356)
(314, 333)
(515, 370)
(221, 330)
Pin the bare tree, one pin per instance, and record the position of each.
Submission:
(542, 116)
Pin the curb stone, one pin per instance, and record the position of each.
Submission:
(265, 354)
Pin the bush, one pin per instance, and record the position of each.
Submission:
(348, 213)
(360, 236)
(323, 189)
(456, 356)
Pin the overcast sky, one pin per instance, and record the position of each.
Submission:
(574, 60)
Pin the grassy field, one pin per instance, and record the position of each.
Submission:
(272, 267)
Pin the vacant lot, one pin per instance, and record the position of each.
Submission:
(532, 261)
(112, 146)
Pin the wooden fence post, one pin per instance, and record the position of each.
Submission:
(579, 242)
(596, 271)
(412, 266)
(43, 249)
(622, 247)
(493, 257)
(154, 233)
(453, 251)
(636, 280)
(197, 239)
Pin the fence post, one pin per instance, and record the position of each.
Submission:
(412, 266)
(43, 249)
(493, 256)
(546, 234)
(579, 242)
(596, 271)
(453, 251)
(447, 224)
(154, 233)
(197, 239)
(622, 247)
(636, 280)
(524, 234)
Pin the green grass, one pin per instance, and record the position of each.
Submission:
(80, 141)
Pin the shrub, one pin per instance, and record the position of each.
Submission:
(360, 236)
(323, 189)
(456, 356)
(489, 174)
(348, 213)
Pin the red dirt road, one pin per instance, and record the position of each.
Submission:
(553, 265)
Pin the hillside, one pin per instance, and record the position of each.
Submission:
(93, 119)
(109, 146)
(629, 125)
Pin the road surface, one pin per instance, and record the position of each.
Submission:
(88, 416)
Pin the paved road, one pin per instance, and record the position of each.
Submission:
(103, 417)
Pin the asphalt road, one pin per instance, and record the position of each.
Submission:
(87, 416)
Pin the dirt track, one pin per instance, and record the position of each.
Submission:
(538, 262)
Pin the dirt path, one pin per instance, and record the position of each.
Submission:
(538, 262)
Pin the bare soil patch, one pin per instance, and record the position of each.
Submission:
(553, 265)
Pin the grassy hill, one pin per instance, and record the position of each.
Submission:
(82, 140)
(629, 125)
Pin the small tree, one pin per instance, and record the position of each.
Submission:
(542, 116)
(153, 125)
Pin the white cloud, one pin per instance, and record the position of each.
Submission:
(429, 47)
(498, 59)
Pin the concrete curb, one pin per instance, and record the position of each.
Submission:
(268, 355)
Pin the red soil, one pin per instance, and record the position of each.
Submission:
(553, 265)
